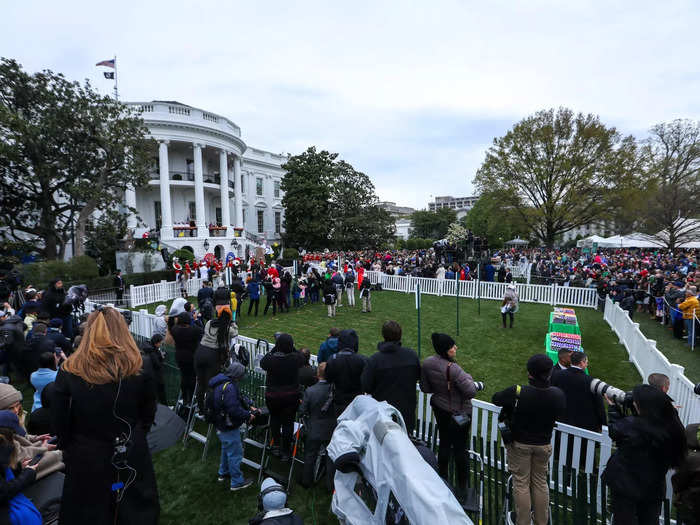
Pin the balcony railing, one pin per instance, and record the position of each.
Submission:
(217, 231)
(181, 175)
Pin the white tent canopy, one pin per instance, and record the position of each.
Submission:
(633, 240)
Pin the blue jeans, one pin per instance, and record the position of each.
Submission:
(689, 330)
(231, 455)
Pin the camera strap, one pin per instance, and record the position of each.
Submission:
(449, 385)
(518, 388)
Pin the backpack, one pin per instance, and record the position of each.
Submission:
(211, 414)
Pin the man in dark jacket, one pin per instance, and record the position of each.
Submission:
(563, 363)
(118, 285)
(53, 298)
(229, 415)
(532, 411)
(344, 371)
(54, 333)
(11, 337)
(391, 374)
(584, 409)
(319, 424)
(38, 344)
(686, 479)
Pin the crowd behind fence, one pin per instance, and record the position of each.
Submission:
(590, 450)
(647, 359)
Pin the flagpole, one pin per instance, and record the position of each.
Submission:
(116, 82)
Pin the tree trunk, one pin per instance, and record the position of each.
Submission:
(81, 226)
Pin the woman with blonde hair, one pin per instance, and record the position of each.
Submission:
(102, 410)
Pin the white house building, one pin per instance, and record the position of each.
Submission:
(207, 188)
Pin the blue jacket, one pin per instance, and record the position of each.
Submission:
(327, 349)
(39, 379)
(253, 290)
(231, 402)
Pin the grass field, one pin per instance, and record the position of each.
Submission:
(188, 489)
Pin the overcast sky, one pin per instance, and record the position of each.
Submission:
(410, 93)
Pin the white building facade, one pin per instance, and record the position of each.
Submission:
(207, 188)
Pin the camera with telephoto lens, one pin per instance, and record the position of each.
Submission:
(479, 385)
(621, 398)
(697, 389)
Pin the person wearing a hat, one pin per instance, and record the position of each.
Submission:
(153, 359)
(272, 503)
(510, 304)
(344, 370)
(452, 390)
(231, 409)
(54, 333)
(29, 445)
(160, 325)
(531, 412)
(282, 394)
(15, 476)
(186, 337)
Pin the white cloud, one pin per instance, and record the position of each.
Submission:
(360, 78)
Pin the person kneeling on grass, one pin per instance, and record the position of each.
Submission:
(228, 416)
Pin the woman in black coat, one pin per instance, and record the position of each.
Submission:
(102, 410)
(53, 298)
(648, 444)
(186, 337)
(282, 395)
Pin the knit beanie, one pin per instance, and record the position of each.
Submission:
(539, 366)
(275, 499)
(442, 343)
(9, 395)
(9, 419)
(284, 343)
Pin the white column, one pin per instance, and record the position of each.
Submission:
(130, 201)
(166, 228)
(199, 191)
(237, 190)
(225, 212)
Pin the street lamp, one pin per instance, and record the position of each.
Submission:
(206, 245)
(234, 244)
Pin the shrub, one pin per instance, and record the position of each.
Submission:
(291, 253)
(184, 255)
(81, 269)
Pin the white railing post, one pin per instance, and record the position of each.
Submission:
(132, 303)
(554, 294)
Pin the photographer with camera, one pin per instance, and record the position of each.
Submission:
(228, 410)
(452, 390)
(648, 444)
(584, 407)
(526, 423)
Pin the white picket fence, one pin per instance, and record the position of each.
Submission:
(648, 360)
(530, 293)
(484, 425)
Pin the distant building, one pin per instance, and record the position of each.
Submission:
(601, 228)
(403, 228)
(395, 210)
(456, 203)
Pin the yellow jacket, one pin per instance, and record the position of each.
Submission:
(234, 302)
(689, 307)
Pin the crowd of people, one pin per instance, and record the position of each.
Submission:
(95, 396)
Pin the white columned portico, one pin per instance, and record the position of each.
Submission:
(225, 212)
(237, 190)
(130, 201)
(166, 228)
(199, 191)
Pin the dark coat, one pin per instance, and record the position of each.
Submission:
(36, 346)
(10, 489)
(52, 300)
(320, 426)
(12, 328)
(83, 416)
(686, 480)
(583, 408)
(232, 406)
(186, 342)
(637, 469)
(282, 370)
(59, 340)
(391, 375)
(344, 370)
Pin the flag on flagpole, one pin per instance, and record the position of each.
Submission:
(109, 75)
(108, 63)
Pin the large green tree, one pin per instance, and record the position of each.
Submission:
(329, 204)
(432, 225)
(672, 155)
(557, 170)
(65, 152)
(489, 218)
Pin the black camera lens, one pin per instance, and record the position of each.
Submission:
(697, 389)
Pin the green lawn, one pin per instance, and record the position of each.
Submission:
(188, 488)
(676, 350)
